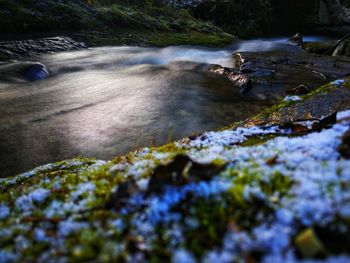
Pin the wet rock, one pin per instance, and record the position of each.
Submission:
(322, 48)
(300, 90)
(325, 122)
(35, 72)
(32, 47)
(239, 80)
(344, 148)
(297, 38)
(315, 106)
(23, 71)
(299, 127)
(275, 73)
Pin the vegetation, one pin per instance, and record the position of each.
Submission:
(109, 22)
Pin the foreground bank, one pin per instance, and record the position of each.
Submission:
(273, 188)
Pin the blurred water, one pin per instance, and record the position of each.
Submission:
(101, 102)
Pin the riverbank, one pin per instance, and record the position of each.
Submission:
(272, 188)
(24, 48)
(103, 23)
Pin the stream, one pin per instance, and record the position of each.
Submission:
(107, 101)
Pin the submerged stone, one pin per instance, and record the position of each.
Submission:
(21, 71)
(35, 72)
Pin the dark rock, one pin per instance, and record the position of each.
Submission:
(300, 90)
(23, 71)
(295, 128)
(239, 80)
(35, 72)
(325, 122)
(326, 102)
(344, 148)
(274, 73)
(27, 48)
(297, 38)
(300, 128)
(343, 49)
(322, 48)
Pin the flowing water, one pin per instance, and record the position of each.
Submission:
(102, 102)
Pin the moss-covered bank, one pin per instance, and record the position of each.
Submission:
(108, 22)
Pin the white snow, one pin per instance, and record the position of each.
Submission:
(4, 211)
(231, 137)
(338, 82)
(66, 228)
(292, 98)
(6, 257)
(183, 256)
(83, 188)
(343, 115)
(39, 195)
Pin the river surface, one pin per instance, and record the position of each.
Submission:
(102, 102)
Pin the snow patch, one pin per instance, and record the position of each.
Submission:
(338, 82)
(292, 98)
(4, 211)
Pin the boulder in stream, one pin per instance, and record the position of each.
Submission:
(239, 80)
(20, 71)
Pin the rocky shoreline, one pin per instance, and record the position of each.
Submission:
(32, 47)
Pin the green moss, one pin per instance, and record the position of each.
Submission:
(326, 89)
(257, 140)
(318, 47)
(268, 112)
(45, 172)
(168, 148)
(191, 38)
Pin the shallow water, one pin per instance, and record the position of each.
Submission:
(106, 101)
